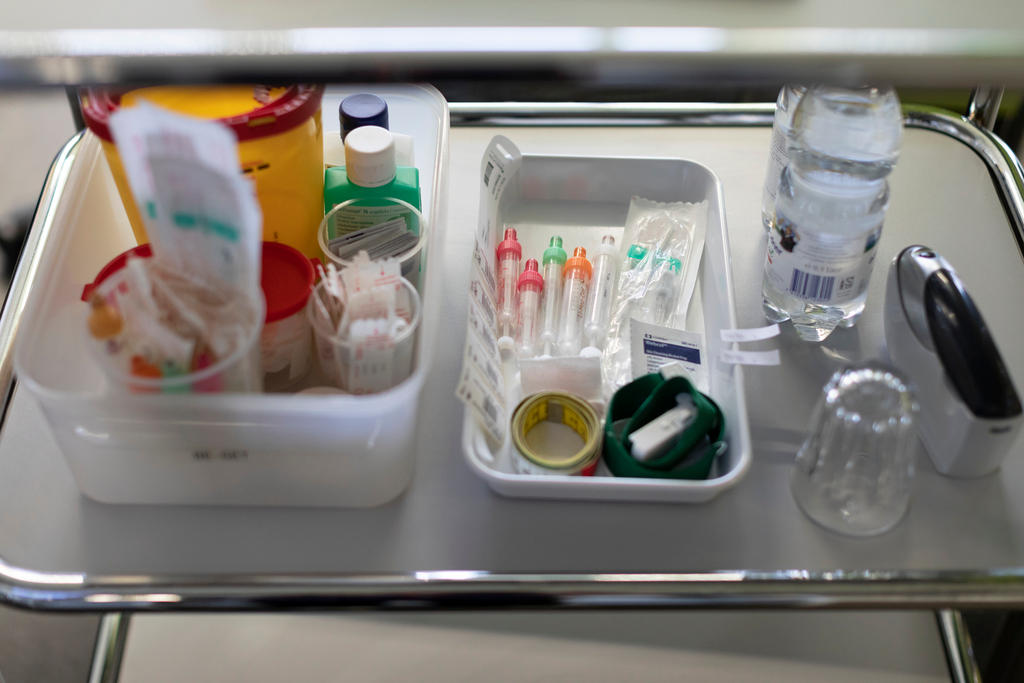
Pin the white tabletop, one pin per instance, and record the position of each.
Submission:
(942, 196)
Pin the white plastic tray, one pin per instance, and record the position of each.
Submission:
(262, 449)
(582, 199)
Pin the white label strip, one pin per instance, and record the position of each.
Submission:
(750, 334)
(750, 357)
(654, 346)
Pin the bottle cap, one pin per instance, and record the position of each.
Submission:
(578, 262)
(510, 244)
(286, 278)
(554, 253)
(362, 109)
(370, 156)
(530, 276)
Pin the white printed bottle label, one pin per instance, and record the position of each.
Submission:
(819, 268)
(358, 217)
(778, 159)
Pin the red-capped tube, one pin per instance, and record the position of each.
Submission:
(509, 254)
(530, 286)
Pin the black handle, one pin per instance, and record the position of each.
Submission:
(967, 350)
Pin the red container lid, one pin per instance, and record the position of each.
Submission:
(296, 104)
(141, 251)
(286, 278)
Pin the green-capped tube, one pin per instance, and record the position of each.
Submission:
(554, 253)
(554, 263)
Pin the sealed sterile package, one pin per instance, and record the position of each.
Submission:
(187, 318)
(201, 215)
(662, 248)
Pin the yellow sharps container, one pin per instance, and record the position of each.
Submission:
(280, 147)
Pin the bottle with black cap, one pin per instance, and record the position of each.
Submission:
(365, 109)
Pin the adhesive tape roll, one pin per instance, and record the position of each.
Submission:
(562, 408)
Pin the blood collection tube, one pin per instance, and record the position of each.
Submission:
(574, 299)
(602, 291)
(554, 264)
(529, 286)
(510, 253)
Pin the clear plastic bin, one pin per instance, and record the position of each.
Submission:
(259, 449)
(581, 199)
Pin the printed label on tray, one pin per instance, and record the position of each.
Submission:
(486, 359)
(483, 325)
(654, 346)
(484, 268)
(500, 165)
(488, 406)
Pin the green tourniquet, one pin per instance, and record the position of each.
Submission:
(643, 400)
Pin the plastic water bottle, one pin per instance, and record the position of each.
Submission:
(785, 105)
(830, 207)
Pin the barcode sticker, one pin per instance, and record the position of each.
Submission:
(825, 268)
(499, 167)
(482, 321)
(483, 271)
(487, 359)
(488, 407)
(810, 286)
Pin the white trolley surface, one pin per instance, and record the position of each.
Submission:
(448, 519)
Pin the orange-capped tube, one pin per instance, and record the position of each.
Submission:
(574, 299)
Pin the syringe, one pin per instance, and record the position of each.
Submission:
(602, 292)
(509, 254)
(574, 299)
(530, 286)
(660, 300)
(554, 264)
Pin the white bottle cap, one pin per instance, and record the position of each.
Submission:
(370, 156)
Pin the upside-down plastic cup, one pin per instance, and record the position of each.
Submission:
(375, 365)
(853, 474)
(238, 372)
(360, 215)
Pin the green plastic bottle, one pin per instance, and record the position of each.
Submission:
(371, 176)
